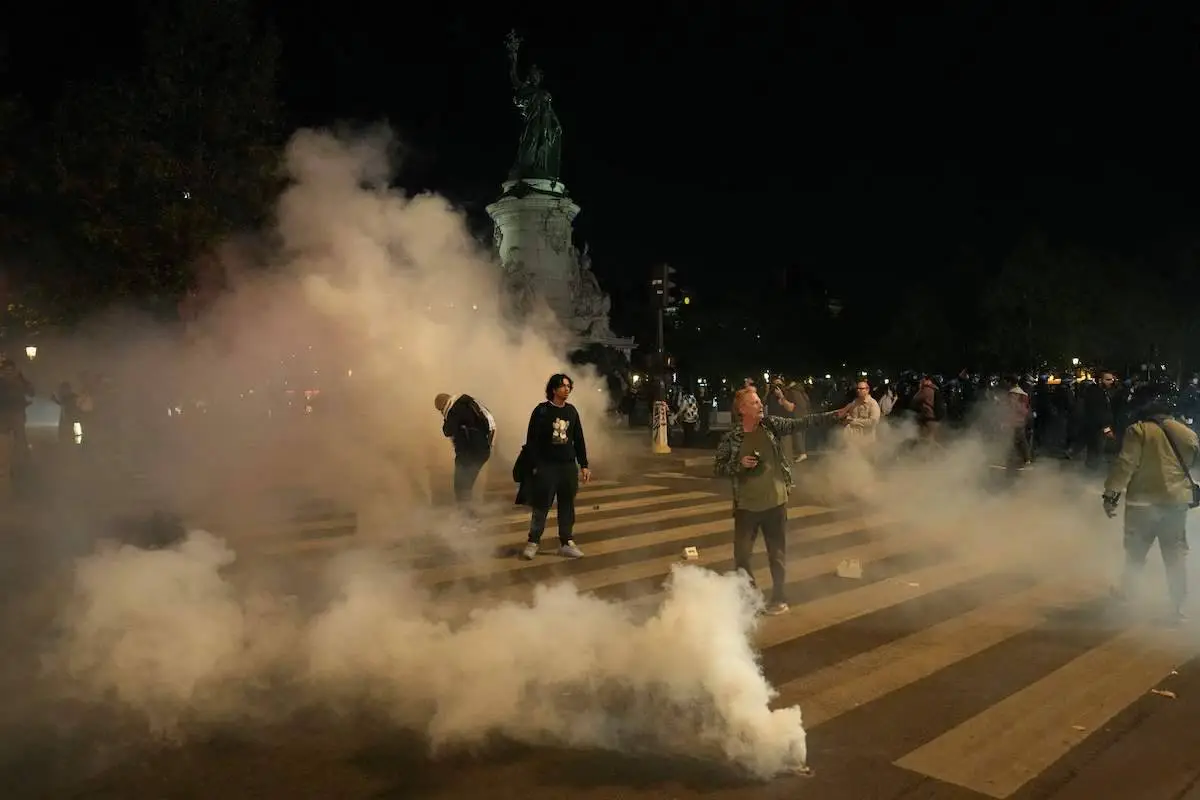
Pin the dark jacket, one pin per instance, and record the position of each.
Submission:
(470, 426)
(1097, 407)
(538, 448)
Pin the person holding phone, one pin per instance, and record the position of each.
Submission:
(752, 456)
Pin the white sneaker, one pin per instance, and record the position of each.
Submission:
(531, 550)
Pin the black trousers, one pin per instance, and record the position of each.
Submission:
(1096, 444)
(553, 481)
(466, 471)
(773, 523)
(1168, 526)
(689, 433)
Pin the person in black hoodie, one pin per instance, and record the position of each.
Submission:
(471, 427)
(554, 444)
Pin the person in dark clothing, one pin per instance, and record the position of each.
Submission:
(472, 429)
(1098, 421)
(69, 412)
(554, 444)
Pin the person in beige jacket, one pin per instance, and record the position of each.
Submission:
(1158, 493)
(860, 417)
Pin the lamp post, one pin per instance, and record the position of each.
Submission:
(31, 352)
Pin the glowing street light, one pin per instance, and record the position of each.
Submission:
(1075, 362)
(31, 351)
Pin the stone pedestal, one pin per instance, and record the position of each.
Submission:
(533, 239)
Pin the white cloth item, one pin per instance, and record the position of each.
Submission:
(488, 416)
(886, 404)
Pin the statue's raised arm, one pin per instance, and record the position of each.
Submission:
(513, 43)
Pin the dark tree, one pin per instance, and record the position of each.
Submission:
(1041, 305)
(920, 334)
(20, 179)
(158, 167)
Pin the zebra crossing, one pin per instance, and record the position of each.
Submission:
(993, 743)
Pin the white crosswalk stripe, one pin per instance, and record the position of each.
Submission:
(633, 534)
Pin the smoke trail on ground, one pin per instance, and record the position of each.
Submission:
(569, 669)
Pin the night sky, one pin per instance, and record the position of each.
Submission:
(855, 145)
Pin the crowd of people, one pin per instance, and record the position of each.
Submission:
(1073, 417)
(1140, 433)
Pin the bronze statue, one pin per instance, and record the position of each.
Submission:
(539, 154)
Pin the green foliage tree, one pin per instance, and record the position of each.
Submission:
(156, 168)
(20, 319)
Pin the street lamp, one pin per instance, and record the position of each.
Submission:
(31, 351)
(1075, 362)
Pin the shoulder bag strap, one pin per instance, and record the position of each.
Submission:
(1178, 456)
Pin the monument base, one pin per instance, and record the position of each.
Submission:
(533, 234)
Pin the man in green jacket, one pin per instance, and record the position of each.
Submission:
(752, 455)
(1157, 491)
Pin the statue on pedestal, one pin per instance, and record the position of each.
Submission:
(591, 304)
(539, 154)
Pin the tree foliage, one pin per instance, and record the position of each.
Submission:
(16, 181)
(1049, 303)
(155, 168)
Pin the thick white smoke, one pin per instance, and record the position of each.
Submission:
(1043, 523)
(398, 304)
(569, 669)
(376, 300)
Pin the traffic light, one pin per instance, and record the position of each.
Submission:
(666, 293)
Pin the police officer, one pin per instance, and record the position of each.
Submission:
(1153, 472)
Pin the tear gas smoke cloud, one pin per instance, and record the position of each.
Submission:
(393, 290)
(1042, 524)
(378, 300)
(569, 669)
